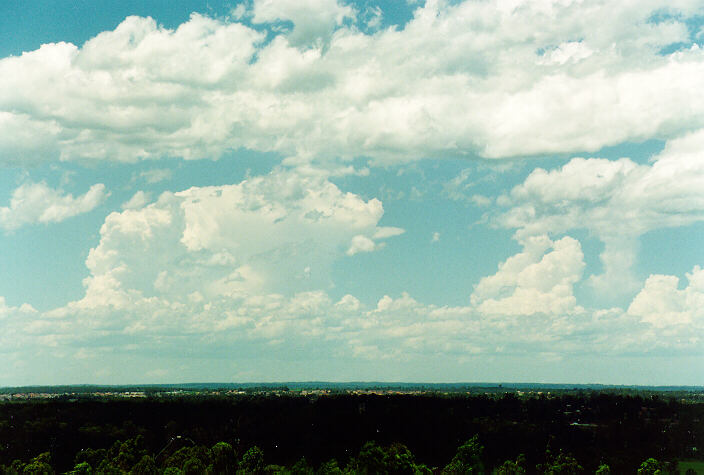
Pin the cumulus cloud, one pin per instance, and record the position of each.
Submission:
(616, 200)
(138, 200)
(313, 20)
(275, 233)
(526, 308)
(491, 78)
(38, 203)
(538, 280)
(661, 303)
(22, 332)
(361, 244)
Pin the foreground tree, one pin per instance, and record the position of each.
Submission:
(650, 467)
(40, 465)
(145, 466)
(603, 469)
(224, 458)
(562, 464)
(510, 467)
(252, 461)
(468, 459)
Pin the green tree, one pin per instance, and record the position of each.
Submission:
(509, 467)
(650, 467)
(106, 467)
(193, 466)
(253, 460)
(467, 459)
(82, 468)
(302, 468)
(563, 464)
(369, 460)
(41, 464)
(398, 460)
(330, 467)
(90, 456)
(224, 459)
(603, 469)
(17, 466)
(145, 466)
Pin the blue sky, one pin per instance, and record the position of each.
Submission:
(330, 190)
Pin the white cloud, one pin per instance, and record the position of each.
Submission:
(538, 280)
(156, 175)
(617, 201)
(274, 233)
(480, 200)
(662, 304)
(373, 17)
(385, 232)
(138, 200)
(490, 78)
(313, 20)
(309, 324)
(361, 244)
(570, 51)
(38, 203)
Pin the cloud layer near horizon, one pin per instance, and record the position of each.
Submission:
(493, 79)
(243, 269)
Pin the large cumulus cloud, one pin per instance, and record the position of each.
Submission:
(616, 200)
(496, 78)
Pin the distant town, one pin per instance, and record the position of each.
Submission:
(320, 389)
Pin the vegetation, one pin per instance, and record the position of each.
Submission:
(369, 434)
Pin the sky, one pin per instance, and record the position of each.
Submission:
(309, 190)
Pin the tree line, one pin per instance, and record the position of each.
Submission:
(587, 433)
(131, 457)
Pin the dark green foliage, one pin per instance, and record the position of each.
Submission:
(650, 467)
(369, 460)
(273, 470)
(253, 460)
(603, 469)
(108, 468)
(124, 455)
(395, 459)
(302, 468)
(39, 465)
(90, 456)
(17, 466)
(468, 459)
(145, 466)
(509, 467)
(399, 460)
(331, 467)
(188, 459)
(224, 458)
(193, 466)
(562, 464)
(82, 468)
(593, 428)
